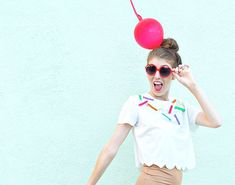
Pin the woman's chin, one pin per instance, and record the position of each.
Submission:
(156, 93)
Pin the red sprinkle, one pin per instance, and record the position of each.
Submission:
(143, 103)
(170, 109)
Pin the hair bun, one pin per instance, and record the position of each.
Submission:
(170, 43)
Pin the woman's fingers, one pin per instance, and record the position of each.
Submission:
(176, 70)
(180, 68)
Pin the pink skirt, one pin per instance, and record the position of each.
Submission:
(154, 175)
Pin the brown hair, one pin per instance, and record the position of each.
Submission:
(168, 50)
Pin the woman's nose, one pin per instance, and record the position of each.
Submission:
(157, 74)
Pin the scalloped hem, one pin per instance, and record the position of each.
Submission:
(170, 167)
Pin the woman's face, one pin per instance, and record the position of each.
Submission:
(160, 91)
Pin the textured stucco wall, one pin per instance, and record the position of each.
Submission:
(66, 67)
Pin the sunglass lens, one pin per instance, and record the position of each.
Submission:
(165, 71)
(151, 69)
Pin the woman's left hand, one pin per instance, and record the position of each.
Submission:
(183, 75)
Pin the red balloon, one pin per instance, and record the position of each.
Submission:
(149, 33)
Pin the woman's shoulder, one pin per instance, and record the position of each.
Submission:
(140, 97)
(135, 97)
(183, 104)
(179, 100)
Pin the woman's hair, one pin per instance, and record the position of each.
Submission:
(168, 50)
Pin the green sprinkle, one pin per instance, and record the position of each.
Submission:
(166, 116)
(180, 108)
(140, 97)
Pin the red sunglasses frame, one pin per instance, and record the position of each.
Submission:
(158, 69)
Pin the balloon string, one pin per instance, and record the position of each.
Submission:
(137, 15)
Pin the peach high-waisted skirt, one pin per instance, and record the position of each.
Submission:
(154, 175)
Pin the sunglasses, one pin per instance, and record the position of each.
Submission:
(164, 70)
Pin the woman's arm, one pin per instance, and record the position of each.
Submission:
(209, 117)
(108, 152)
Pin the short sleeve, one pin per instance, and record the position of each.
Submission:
(192, 113)
(129, 112)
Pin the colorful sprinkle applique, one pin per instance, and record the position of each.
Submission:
(177, 119)
(143, 103)
(152, 107)
(175, 104)
(166, 116)
(148, 98)
(170, 109)
(180, 108)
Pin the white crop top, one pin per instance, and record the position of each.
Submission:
(161, 130)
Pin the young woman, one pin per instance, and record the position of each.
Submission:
(161, 124)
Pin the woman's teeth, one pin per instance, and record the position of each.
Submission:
(157, 83)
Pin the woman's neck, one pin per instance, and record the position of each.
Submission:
(163, 98)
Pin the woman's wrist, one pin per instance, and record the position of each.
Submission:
(193, 87)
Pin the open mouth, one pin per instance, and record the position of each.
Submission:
(158, 85)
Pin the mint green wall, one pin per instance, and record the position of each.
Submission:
(67, 67)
